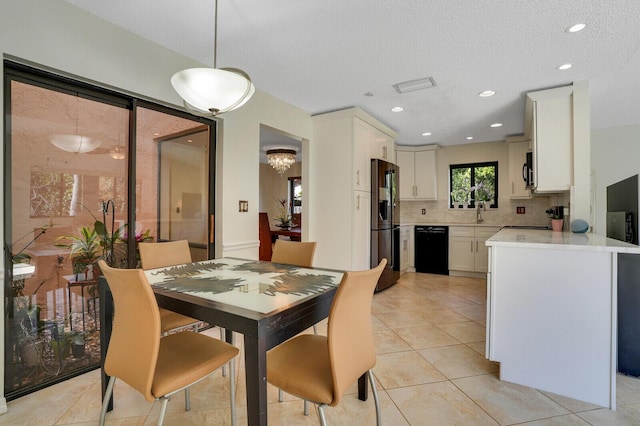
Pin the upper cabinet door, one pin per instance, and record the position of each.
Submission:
(405, 162)
(383, 146)
(425, 175)
(361, 155)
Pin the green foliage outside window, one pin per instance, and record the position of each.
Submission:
(473, 183)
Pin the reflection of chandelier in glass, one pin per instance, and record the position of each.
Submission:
(281, 159)
(117, 152)
(77, 144)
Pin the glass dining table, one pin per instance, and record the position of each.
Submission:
(267, 302)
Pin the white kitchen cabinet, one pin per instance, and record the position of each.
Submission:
(417, 172)
(342, 146)
(361, 155)
(361, 231)
(467, 250)
(383, 147)
(518, 148)
(549, 124)
(406, 248)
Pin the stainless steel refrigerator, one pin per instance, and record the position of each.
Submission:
(385, 220)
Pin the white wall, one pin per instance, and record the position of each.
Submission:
(56, 35)
(615, 155)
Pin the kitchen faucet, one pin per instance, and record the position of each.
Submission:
(479, 207)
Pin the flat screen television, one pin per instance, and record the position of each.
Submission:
(616, 225)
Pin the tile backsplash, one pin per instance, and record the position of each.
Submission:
(439, 212)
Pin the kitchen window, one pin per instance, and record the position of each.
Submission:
(473, 183)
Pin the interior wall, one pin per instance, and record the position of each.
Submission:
(614, 156)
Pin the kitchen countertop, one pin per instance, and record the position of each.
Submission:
(491, 225)
(530, 238)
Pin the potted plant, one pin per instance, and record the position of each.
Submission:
(84, 250)
(557, 223)
(284, 217)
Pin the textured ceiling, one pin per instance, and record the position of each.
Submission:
(325, 55)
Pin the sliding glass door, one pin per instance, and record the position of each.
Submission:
(88, 173)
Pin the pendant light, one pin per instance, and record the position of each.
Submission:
(213, 91)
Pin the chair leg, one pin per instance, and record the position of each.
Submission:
(232, 389)
(375, 398)
(187, 399)
(315, 329)
(306, 407)
(323, 419)
(107, 397)
(280, 395)
(224, 369)
(163, 410)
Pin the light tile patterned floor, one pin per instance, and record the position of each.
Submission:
(429, 332)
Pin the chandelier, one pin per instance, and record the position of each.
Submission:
(281, 159)
(77, 144)
(212, 91)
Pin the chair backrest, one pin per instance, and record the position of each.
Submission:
(349, 333)
(294, 252)
(135, 340)
(158, 255)
(264, 234)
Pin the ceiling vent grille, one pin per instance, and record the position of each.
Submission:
(413, 85)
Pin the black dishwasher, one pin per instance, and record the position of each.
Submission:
(432, 249)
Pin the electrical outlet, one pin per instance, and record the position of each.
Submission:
(520, 210)
(424, 211)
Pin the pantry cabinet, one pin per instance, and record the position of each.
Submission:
(342, 146)
(417, 172)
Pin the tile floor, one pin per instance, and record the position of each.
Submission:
(429, 331)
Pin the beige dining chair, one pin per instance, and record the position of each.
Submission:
(321, 368)
(159, 255)
(157, 367)
(294, 252)
(300, 254)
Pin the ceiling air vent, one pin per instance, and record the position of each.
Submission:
(413, 85)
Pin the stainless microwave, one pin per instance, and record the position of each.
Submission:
(527, 171)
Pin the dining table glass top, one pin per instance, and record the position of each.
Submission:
(259, 286)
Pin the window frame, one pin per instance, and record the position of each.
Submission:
(472, 183)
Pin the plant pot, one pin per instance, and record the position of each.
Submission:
(77, 349)
(61, 349)
(557, 224)
(30, 353)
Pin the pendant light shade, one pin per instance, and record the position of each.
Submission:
(77, 144)
(213, 91)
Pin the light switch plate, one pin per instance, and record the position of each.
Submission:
(520, 210)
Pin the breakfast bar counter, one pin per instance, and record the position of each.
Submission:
(552, 311)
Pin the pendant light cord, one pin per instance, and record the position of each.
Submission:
(215, 35)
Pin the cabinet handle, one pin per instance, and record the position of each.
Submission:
(512, 188)
(415, 190)
(357, 202)
(384, 152)
(471, 246)
(358, 177)
(476, 246)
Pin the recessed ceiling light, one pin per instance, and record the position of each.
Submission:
(469, 138)
(426, 134)
(575, 28)
(496, 125)
(487, 93)
(397, 109)
(564, 67)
